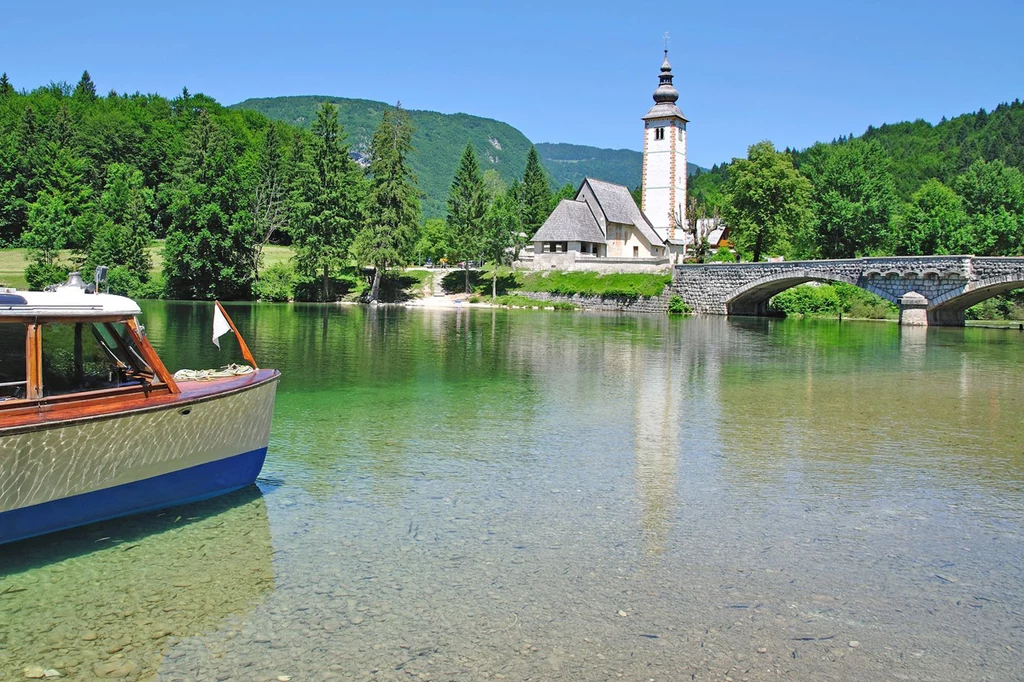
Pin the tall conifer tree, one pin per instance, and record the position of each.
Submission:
(536, 196)
(329, 196)
(466, 209)
(392, 210)
(85, 89)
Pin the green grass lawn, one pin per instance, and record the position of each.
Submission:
(12, 268)
(14, 261)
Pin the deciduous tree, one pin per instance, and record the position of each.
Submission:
(123, 233)
(993, 195)
(932, 222)
(852, 199)
(207, 246)
(269, 201)
(768, 200)
(500, 239)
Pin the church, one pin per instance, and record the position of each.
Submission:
(603, 221)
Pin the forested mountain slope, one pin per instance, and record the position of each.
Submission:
(570, 163)
(438, 139)
(920, 151)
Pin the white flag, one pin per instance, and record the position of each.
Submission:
(220, 325)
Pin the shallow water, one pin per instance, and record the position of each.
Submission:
(524, 495)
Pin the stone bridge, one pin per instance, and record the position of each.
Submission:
(933, 290)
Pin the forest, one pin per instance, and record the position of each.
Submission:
(89, 179)
(903, 189)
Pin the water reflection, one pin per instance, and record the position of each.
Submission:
(472, 494)
(111, 598)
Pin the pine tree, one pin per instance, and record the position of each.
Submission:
(86, 89)
(536, 195)
(466, 209)
(5, 86)
(328, 200)
(392, 211)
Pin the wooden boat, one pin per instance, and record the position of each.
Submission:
(93, 426)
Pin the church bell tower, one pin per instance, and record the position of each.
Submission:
(664, 167)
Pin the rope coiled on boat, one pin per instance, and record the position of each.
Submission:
(231, 370)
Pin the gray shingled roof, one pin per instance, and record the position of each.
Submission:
(619, 207)
(571, 221)
(664, 110)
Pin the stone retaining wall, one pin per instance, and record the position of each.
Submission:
(654, 304)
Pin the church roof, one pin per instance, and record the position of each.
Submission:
(571, 221)
(618, 206)
(664, 110)
(665, 96)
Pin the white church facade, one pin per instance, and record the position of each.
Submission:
(602, 223)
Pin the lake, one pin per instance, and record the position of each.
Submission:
(490, 494)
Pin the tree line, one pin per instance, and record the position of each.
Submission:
(910, 189)
(89, 180)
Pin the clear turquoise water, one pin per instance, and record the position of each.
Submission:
(534, 495)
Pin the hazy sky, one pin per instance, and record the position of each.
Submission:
(581, 72)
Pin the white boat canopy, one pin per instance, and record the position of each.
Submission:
(66, 301)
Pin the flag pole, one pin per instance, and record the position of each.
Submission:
(241, 342)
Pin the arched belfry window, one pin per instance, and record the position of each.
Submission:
(659, 133)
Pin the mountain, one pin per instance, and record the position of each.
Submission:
(570, 163)
(439, 139)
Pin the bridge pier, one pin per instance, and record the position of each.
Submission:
(942, 317)
(913, 309)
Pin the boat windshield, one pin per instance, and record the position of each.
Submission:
(12, 362)
(89, 356)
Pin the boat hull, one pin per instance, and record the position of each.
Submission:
(58, 475)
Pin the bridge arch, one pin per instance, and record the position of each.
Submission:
(752, 298)
(949, 308)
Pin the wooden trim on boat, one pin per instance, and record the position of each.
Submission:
(150, 356)
(50, 413)
(34, 361)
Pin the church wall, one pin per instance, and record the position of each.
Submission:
(622, 239)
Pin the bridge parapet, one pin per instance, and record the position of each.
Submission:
(947, 283)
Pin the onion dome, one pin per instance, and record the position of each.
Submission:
(666, 92)
(665, 96)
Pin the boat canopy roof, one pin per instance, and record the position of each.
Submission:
(64, 302)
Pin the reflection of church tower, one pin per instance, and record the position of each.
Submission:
(656, 419)
(664, 169)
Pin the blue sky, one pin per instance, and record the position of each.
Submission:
(580, 72)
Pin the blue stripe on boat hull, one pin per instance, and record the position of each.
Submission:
(167, 490)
